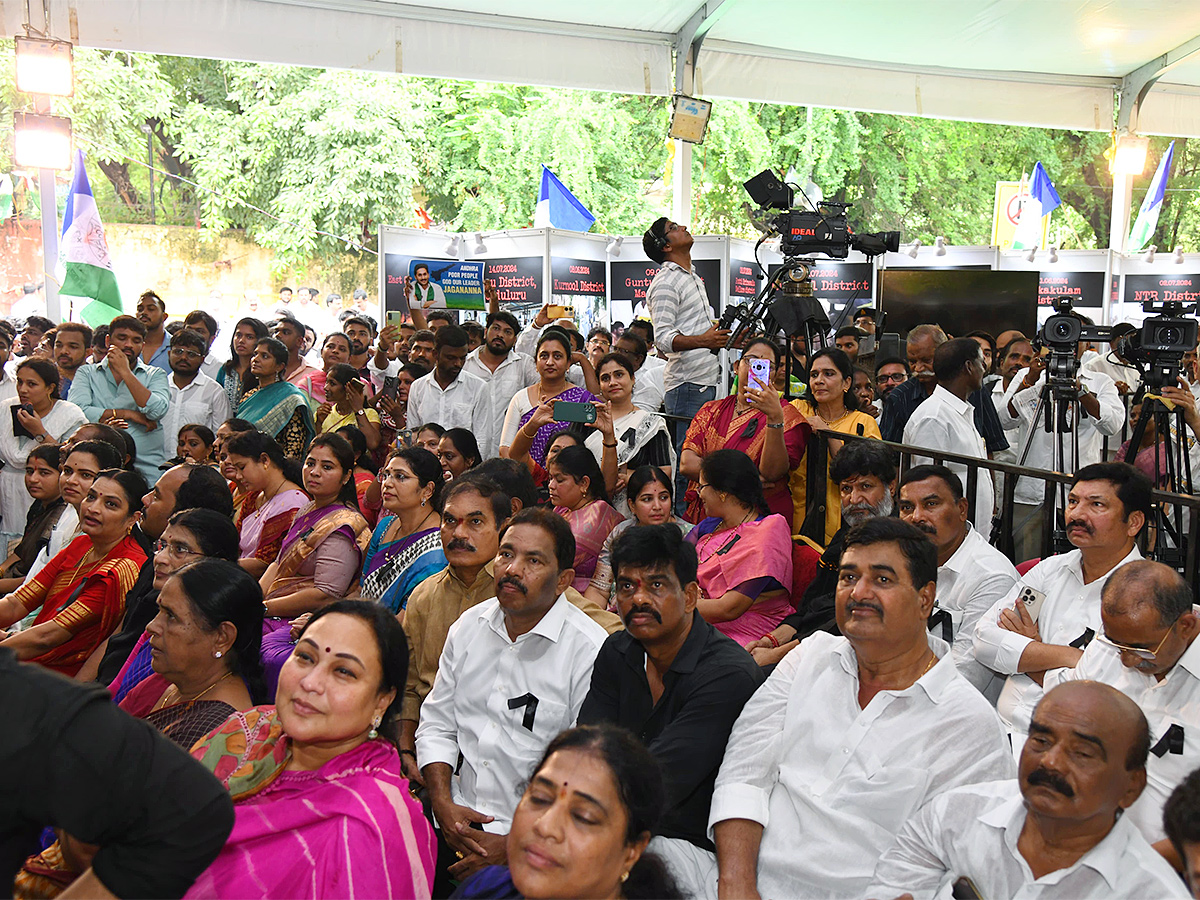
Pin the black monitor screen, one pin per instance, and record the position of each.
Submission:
(959, 300)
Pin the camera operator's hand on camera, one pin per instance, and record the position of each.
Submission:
(1124, 388)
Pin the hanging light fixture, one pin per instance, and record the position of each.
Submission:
(452, 245)
(912, 251)
(1178, 257)
(41, 142)
(1054, 253)
(45, 66)
(940, 243)
(1032, 254)
(480, 246)
(1149, 254)
(613, 248)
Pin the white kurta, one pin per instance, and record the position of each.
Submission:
(62, 420)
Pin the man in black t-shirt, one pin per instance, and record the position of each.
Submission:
(75, 761)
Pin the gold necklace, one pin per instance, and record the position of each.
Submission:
(162, 701)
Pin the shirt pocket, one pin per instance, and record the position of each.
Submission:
(534, 730)
(885, 795)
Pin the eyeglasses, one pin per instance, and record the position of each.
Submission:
(175, 548)
(899, 378)
(184, 351)
(1140, 652)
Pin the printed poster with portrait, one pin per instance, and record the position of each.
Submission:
(433, 283)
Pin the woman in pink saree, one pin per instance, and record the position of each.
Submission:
(321, 807)
(745, 554)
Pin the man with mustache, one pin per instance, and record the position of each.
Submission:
(1107, 506)
(152, 312)
(1057, 831)
(448, 395)
(851, 735)
(474, 509)
(866, 475)
(513, 674)
(72, 342)
(972, 574)
(1148, 651)
(505, 370)
(675, 681)
(290, 332)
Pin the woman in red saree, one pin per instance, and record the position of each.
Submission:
(755, 421)
(81, 591)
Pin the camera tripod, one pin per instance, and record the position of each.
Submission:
(1172, 470)
(1057, 414)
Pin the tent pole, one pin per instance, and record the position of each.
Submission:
(1118, 234)
(681, 183)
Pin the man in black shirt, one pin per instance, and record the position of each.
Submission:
(865, 472)
(677, 683)
(75, 761)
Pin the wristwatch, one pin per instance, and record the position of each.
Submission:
(41, 438)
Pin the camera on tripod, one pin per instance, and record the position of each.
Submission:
(824, 230)
(1061, 334)
(1157, 350)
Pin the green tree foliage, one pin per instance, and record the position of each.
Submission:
(287, 153)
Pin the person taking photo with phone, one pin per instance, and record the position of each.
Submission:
(755, 421)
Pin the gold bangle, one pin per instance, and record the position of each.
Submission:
(527, 434)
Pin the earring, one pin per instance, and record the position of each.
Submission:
(374, 732)
(422, 502)
(218, 655)
(624, 877)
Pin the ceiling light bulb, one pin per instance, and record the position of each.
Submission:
(940, 243)
(913, 250)
(1053, 253)
(1032, 254)
(1178, 258)
(480, 246)
(1150, 251)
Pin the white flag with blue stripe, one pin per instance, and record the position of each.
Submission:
(557, 207)
(1147, 217)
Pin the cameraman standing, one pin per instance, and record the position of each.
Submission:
(683, 327)
(1100, 413)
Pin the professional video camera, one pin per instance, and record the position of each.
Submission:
(824, 230)
(1157, 350)
(1062, 333)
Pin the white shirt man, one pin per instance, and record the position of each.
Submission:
(946, 422)
(515, 372)
(1069, 616)
(973, 831)
(648, 390)
(833, 783)
(1042, 446)
(968, 585)
(1167, 687)
(470, 710)
(462, 404)
(202, 402)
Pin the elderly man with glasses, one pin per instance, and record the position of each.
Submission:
(1148, 651)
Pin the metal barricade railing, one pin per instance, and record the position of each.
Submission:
(818, 457)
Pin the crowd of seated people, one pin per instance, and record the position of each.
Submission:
(491, 612)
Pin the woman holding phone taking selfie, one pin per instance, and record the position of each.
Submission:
(755, 421)
(347, 397)
(829, 404)
(34, 417)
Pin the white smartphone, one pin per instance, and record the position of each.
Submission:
(1033, 601)
(760, 371)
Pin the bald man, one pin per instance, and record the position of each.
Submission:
(1058, 830)
(1148, 651)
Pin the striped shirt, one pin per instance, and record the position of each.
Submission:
(679, 305)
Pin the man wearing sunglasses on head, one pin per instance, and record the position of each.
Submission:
(1148, 650)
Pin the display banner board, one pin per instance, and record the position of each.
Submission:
(1081, 288)
(518, 280)
(1159, 288)
(745, 280)
(578, 277)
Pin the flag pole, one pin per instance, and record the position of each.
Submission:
(49, 204)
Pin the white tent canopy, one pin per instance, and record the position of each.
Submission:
(1049, 63)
